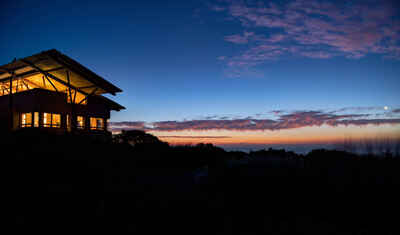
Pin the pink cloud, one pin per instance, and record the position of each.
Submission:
(217, 8)
(317, 54)
(239, 39)
(284, 121)
(314, 29)
(276, 38)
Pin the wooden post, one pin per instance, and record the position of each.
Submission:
(55, 88)
(40, 119)
(75, 96)
(44, 82)
(10, 100)
(105, 124)
(72, 114)
(87, 123)
(63, 122)
(69, 87)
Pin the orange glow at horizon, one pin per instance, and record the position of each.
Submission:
(304, 135)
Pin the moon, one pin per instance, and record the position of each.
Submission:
(385, 107)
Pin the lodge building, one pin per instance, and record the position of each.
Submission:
(51, 91)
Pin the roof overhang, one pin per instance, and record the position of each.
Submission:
(55, 63)
(111, 104)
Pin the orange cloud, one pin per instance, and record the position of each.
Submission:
(304, 135)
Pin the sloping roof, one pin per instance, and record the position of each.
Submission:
(112, 104)
(55, 63)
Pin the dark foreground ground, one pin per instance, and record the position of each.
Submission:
(69, 184)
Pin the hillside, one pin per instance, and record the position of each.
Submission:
(62, 183)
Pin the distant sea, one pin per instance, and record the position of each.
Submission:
(297, 148)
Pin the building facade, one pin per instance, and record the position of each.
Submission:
(51, 91)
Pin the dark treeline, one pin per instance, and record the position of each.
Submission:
(133, 182)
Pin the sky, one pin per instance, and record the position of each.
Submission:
(233, 73)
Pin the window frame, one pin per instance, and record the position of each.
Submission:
(96, 120)
(36, 119)
(77, 122)
(49, 123)
(23, 121)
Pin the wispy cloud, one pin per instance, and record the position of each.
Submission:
(314, 29)
(360, 109)
(284, 120)
(194, 137)
(239, 39)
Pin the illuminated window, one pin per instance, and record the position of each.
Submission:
(55, 120)
(80, 122)
(36, 119)
(96, 123)
(68, 122)
(51, 120)
(26, 120)
(47, 119)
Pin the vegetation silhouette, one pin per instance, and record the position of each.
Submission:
(133, 182)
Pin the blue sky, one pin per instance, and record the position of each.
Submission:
(189, 60)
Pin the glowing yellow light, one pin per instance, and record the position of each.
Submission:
(80, 121)
(23, 119)
(36, 119)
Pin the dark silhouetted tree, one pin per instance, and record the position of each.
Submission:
(136, 137)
